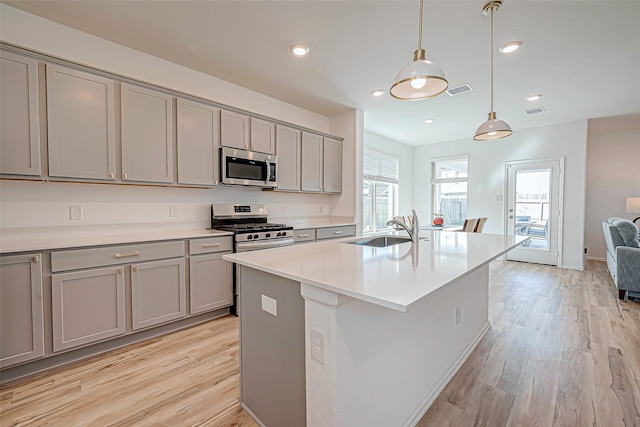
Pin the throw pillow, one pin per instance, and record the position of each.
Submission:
(629, 233)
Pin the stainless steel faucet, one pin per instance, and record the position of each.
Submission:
(413, 231)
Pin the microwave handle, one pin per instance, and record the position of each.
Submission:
(266, 181)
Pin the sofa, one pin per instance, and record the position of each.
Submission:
(623, 256)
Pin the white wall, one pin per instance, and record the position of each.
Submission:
(35, 204)
(350, 126)
(487, 177)
(404, 153)
(613, 174)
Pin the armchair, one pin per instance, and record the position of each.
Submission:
(623, 255)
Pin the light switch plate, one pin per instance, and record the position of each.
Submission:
(270, 305)
(75, 213)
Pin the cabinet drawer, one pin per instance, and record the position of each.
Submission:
(210, 245)
(306, 235)
(95, 257)
(336, 232)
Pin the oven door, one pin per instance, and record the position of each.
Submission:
(239, 167)
(265, 244)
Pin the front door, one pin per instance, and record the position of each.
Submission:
(533, 209)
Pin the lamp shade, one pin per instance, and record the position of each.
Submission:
(633, 205)
(419, 80)
(493, 128)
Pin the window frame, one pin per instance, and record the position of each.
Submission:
(435, 181)
(383, 177)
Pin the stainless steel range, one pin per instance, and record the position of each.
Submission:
(251, 230)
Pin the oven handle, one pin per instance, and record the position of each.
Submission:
(266, 181)
(242, 246)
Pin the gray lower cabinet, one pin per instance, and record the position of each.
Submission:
(87, 306)
(210, 283)
(336, 232)
(19, 116)
(307, 235)
(147, 135)
(21, 309)
(80, 124)
(158, 292)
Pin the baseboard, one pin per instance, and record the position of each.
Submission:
(251, 414)
(572, 267)
(428, 400)
(595, 258)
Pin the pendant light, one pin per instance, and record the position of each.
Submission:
(493, 128)
(420, 79)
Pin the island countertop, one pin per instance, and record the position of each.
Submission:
(394, 277)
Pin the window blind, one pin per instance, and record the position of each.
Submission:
(379, 167)
(450, 170)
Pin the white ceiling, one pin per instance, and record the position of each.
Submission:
(583, 56)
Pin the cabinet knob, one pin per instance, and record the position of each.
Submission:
(119, 271)
(253, 147)
(246, 146)
(35, 259)
(111, 175)
(215, 182)
(134, 268)
(125, 176)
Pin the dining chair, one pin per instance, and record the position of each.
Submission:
(480, 225)
(469, 225)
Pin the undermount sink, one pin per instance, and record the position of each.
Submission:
(381, 242)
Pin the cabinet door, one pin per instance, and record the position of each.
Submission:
(332, 166)
(158, 292)
(80, 124)
(21, 320)
(210, 283)
(19, 116)
(87, 306)
(288, 153)
(311, 162)
(263, 136)
(147, 135)
(198, 144)
(234, 130)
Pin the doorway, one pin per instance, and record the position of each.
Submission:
(534, 200)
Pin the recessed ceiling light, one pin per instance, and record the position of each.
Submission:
(377, 92)
(428, 120)
(534, 97)
(299, 50)
(510, 47)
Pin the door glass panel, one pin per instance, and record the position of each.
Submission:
(532, 207)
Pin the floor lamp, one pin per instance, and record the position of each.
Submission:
(633, 206)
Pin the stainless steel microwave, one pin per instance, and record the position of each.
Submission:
(240, 167)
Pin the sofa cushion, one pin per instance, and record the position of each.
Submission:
(629, 233)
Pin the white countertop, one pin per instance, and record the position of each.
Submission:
(394, 277)
(46, 238)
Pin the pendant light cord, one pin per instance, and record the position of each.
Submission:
(420, 28)
(492, 8)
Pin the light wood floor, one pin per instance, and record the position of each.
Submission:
(562, 351)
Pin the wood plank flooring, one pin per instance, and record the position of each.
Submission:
(562, 351)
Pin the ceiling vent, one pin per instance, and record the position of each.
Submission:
(459, 89)
(534, 110)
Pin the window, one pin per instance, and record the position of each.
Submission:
(379, 191)
(449, 179)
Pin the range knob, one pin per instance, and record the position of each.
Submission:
(249, 237)
(279, 234)
(284, 233)
(255, 236)
(267, 235)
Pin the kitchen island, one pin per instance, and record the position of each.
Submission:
(340, 334)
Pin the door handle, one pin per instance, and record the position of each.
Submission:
(511, 216)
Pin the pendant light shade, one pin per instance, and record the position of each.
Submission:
(421, 78)
(493, 128)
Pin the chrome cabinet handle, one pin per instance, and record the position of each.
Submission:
(303, 235)
(134, 268)
(35, 259)
(337, 232)
(211, 245)
(127, 255)
(125, 176)
(111, 175)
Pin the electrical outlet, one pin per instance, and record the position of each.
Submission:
(173, 211)
(75, 213)
(317, 346)
(270, 305)
(458, 315)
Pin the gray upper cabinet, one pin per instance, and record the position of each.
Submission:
(19, 116)
(80, 124)
(288, 153)
(234, 130)
(263, 136)
(147, 135)
(21, 309)
(332, 166)
(311, 172)
(198, 130)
